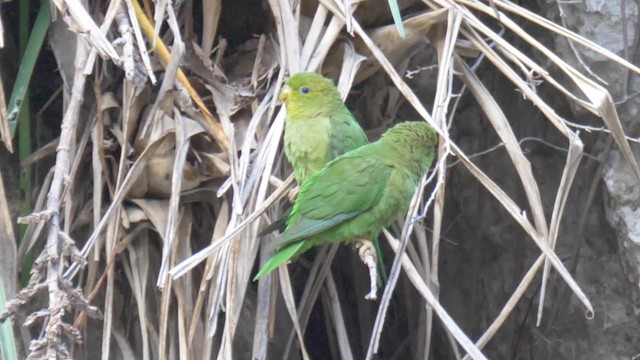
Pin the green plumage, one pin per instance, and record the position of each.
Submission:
(358, 193)
(319, 127)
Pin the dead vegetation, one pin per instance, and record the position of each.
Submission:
(168, 163)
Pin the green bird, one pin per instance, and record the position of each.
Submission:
(357, 194)
(318, 126)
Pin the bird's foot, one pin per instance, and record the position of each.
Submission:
(367, 253)
(293, 194)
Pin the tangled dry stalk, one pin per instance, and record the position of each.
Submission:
(195, 162)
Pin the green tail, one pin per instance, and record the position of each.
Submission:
(289, 251)
(281, 257)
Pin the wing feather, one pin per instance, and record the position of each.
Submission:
(344, 189)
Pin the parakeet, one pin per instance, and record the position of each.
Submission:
(357, 194)
(318, 127)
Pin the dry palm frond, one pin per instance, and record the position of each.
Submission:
(185, 173)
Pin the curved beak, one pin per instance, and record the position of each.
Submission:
(284, 93)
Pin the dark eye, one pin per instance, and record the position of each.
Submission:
(304, 90)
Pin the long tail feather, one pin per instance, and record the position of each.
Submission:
(281, 257)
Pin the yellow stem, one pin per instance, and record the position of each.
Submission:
(215, 127)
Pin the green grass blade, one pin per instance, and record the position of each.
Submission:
(31, 41)
(397, 18)
(382, 268)
(7, 341)
(27, 65)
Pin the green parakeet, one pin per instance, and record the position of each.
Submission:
(318, 127)
(357, 194)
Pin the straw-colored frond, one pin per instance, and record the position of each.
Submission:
(169, 163)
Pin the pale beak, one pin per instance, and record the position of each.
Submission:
(284, 94)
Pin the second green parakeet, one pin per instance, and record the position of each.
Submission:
(357, 194)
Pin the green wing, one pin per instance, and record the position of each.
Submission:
(347, 187)
(346, 135)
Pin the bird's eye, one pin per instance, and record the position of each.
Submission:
(304, 90)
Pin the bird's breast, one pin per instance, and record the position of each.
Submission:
(306, 144)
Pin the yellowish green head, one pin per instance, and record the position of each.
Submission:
(417, 133)
(309, 94)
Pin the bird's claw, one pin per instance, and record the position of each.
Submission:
(368, 256)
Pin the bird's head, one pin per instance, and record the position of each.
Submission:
(417, 133)
(413, 143)
(309, 94)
